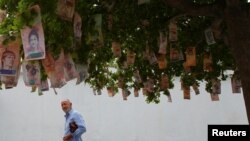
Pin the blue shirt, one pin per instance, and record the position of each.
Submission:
(74, 116)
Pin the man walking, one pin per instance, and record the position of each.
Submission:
(74, 124)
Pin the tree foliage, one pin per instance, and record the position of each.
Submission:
(135, 27)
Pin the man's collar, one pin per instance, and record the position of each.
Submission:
(68, 113)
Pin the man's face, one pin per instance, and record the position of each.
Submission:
(66, 106)
(9, 60)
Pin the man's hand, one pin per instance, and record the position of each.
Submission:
(67, 137)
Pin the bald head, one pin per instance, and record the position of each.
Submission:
(66, 105)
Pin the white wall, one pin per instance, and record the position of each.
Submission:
(25, 116)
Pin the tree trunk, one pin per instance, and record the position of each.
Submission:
(238, 25)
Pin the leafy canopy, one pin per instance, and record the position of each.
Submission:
(136, 27)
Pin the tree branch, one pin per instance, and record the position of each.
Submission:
(190, 8)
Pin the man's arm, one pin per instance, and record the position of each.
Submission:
(81, 125)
